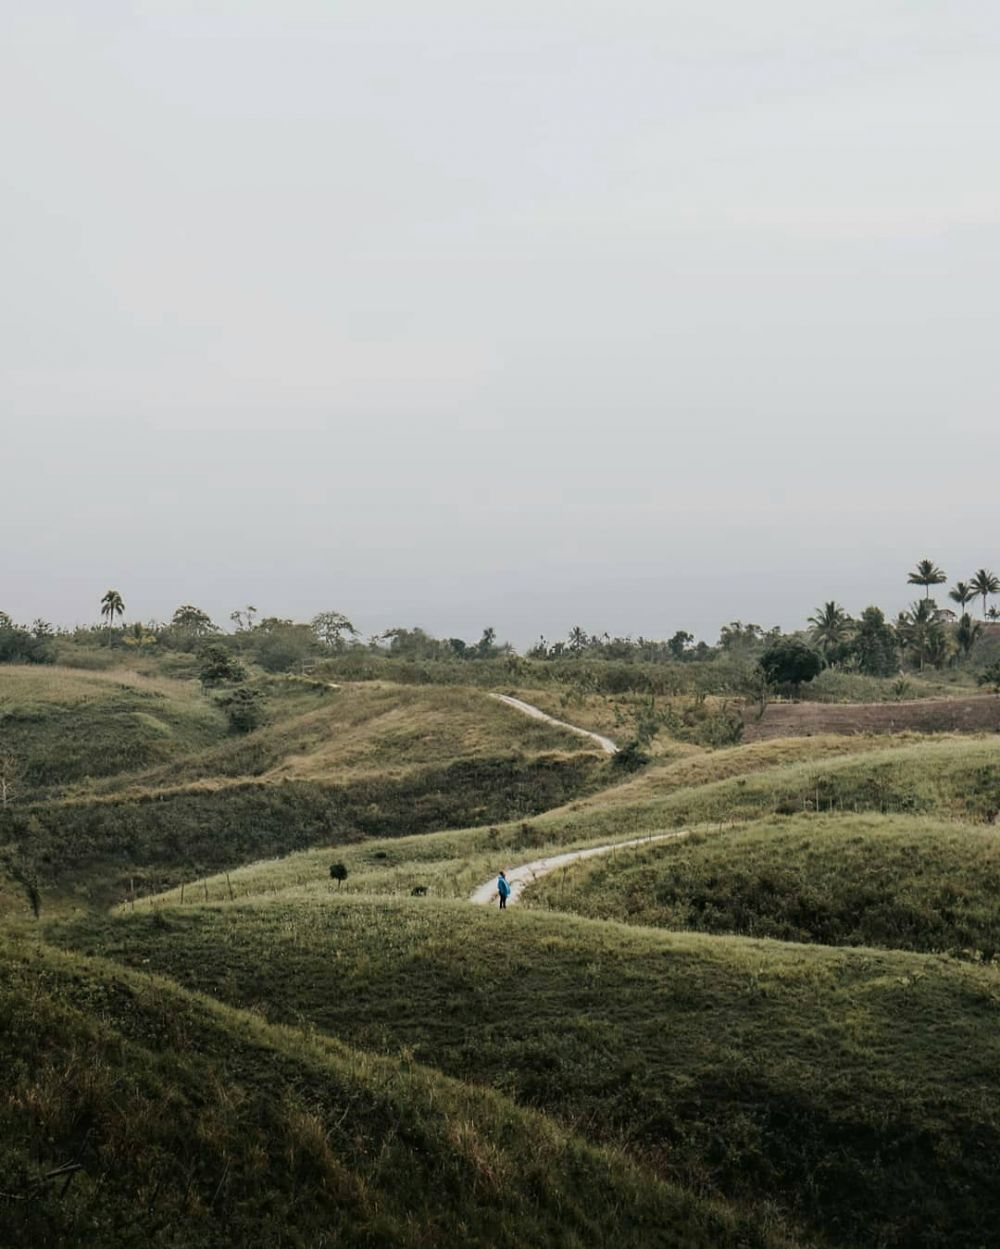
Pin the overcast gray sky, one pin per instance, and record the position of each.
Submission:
(641, 315)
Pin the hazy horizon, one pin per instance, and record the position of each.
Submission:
(638, 317)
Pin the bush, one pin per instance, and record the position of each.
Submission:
(244, 707)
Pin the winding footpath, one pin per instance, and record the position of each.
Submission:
(605, 743)
(527, 873)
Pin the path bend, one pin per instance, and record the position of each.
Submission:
(536, 713)
(527, 873)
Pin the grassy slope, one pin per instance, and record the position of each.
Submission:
(331, 766)
(894, 881)
(854, 1088)
(957, 774)
(197, 1125)
(64, 725)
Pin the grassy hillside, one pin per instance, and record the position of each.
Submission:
(64, 725)
(192, 1124)
(330, 766)
(896, 881)
(853, 1089)
(957, 776)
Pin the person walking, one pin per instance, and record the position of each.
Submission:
(503, 889)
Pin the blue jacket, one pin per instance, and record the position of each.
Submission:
(503, 887)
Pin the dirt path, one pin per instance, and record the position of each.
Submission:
(605, 743)
(528, 873)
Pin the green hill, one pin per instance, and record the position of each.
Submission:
(852, 1090)
(896, 881)
(328, 766)
(133, 1114)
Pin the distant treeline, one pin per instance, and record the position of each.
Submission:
(921, 637)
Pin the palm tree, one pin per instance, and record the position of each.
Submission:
(831, 626)
(918, 628)
(112, 605)
(926, 574)
(985, 583)
(967, 634)
(963, 593)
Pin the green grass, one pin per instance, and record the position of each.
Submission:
(330, 766)
(894, 881)
(64, 726)
(957, 776)
(853, 1089)
(197, 1125)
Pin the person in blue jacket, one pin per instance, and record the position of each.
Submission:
(503, 889)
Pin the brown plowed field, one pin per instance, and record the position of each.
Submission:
(979, 713)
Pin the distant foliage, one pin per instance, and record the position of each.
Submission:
(219, 665)
(790, 664)
(26, 646)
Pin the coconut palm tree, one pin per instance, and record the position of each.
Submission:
(962, 593)
(985, 583)
(926, 574)
(831, 626)
(919, 628)
(112, 605)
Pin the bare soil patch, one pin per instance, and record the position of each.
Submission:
(979, 713)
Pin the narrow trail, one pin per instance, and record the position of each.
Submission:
(605, 743)
(528, 873)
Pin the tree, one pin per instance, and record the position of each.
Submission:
(330, 627)
(190, 619)
(284, 646)
(961, 594)
(985, 583)
(243, 620)
(926, 574)
(680, 642)
(874, 645)
(919, 629)
(338, 872)
(578, 640)
(831, 627)
(244, 707)
(486, 646)
(967, 634)
(218, 666)
(112, 605)
(789, 662)
(991, 676)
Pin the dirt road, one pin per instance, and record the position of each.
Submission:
(527, 873)
(605, 743)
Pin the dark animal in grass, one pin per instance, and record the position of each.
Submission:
(338, 872)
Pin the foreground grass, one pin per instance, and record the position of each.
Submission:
(854, 1089)
(895, 881)
(197, 1125)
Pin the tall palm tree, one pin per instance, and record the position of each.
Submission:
(985, 583)
(112, 605)
(962, 593)
(926, 574)
(831, 626)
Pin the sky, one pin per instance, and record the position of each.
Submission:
(642, 315)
